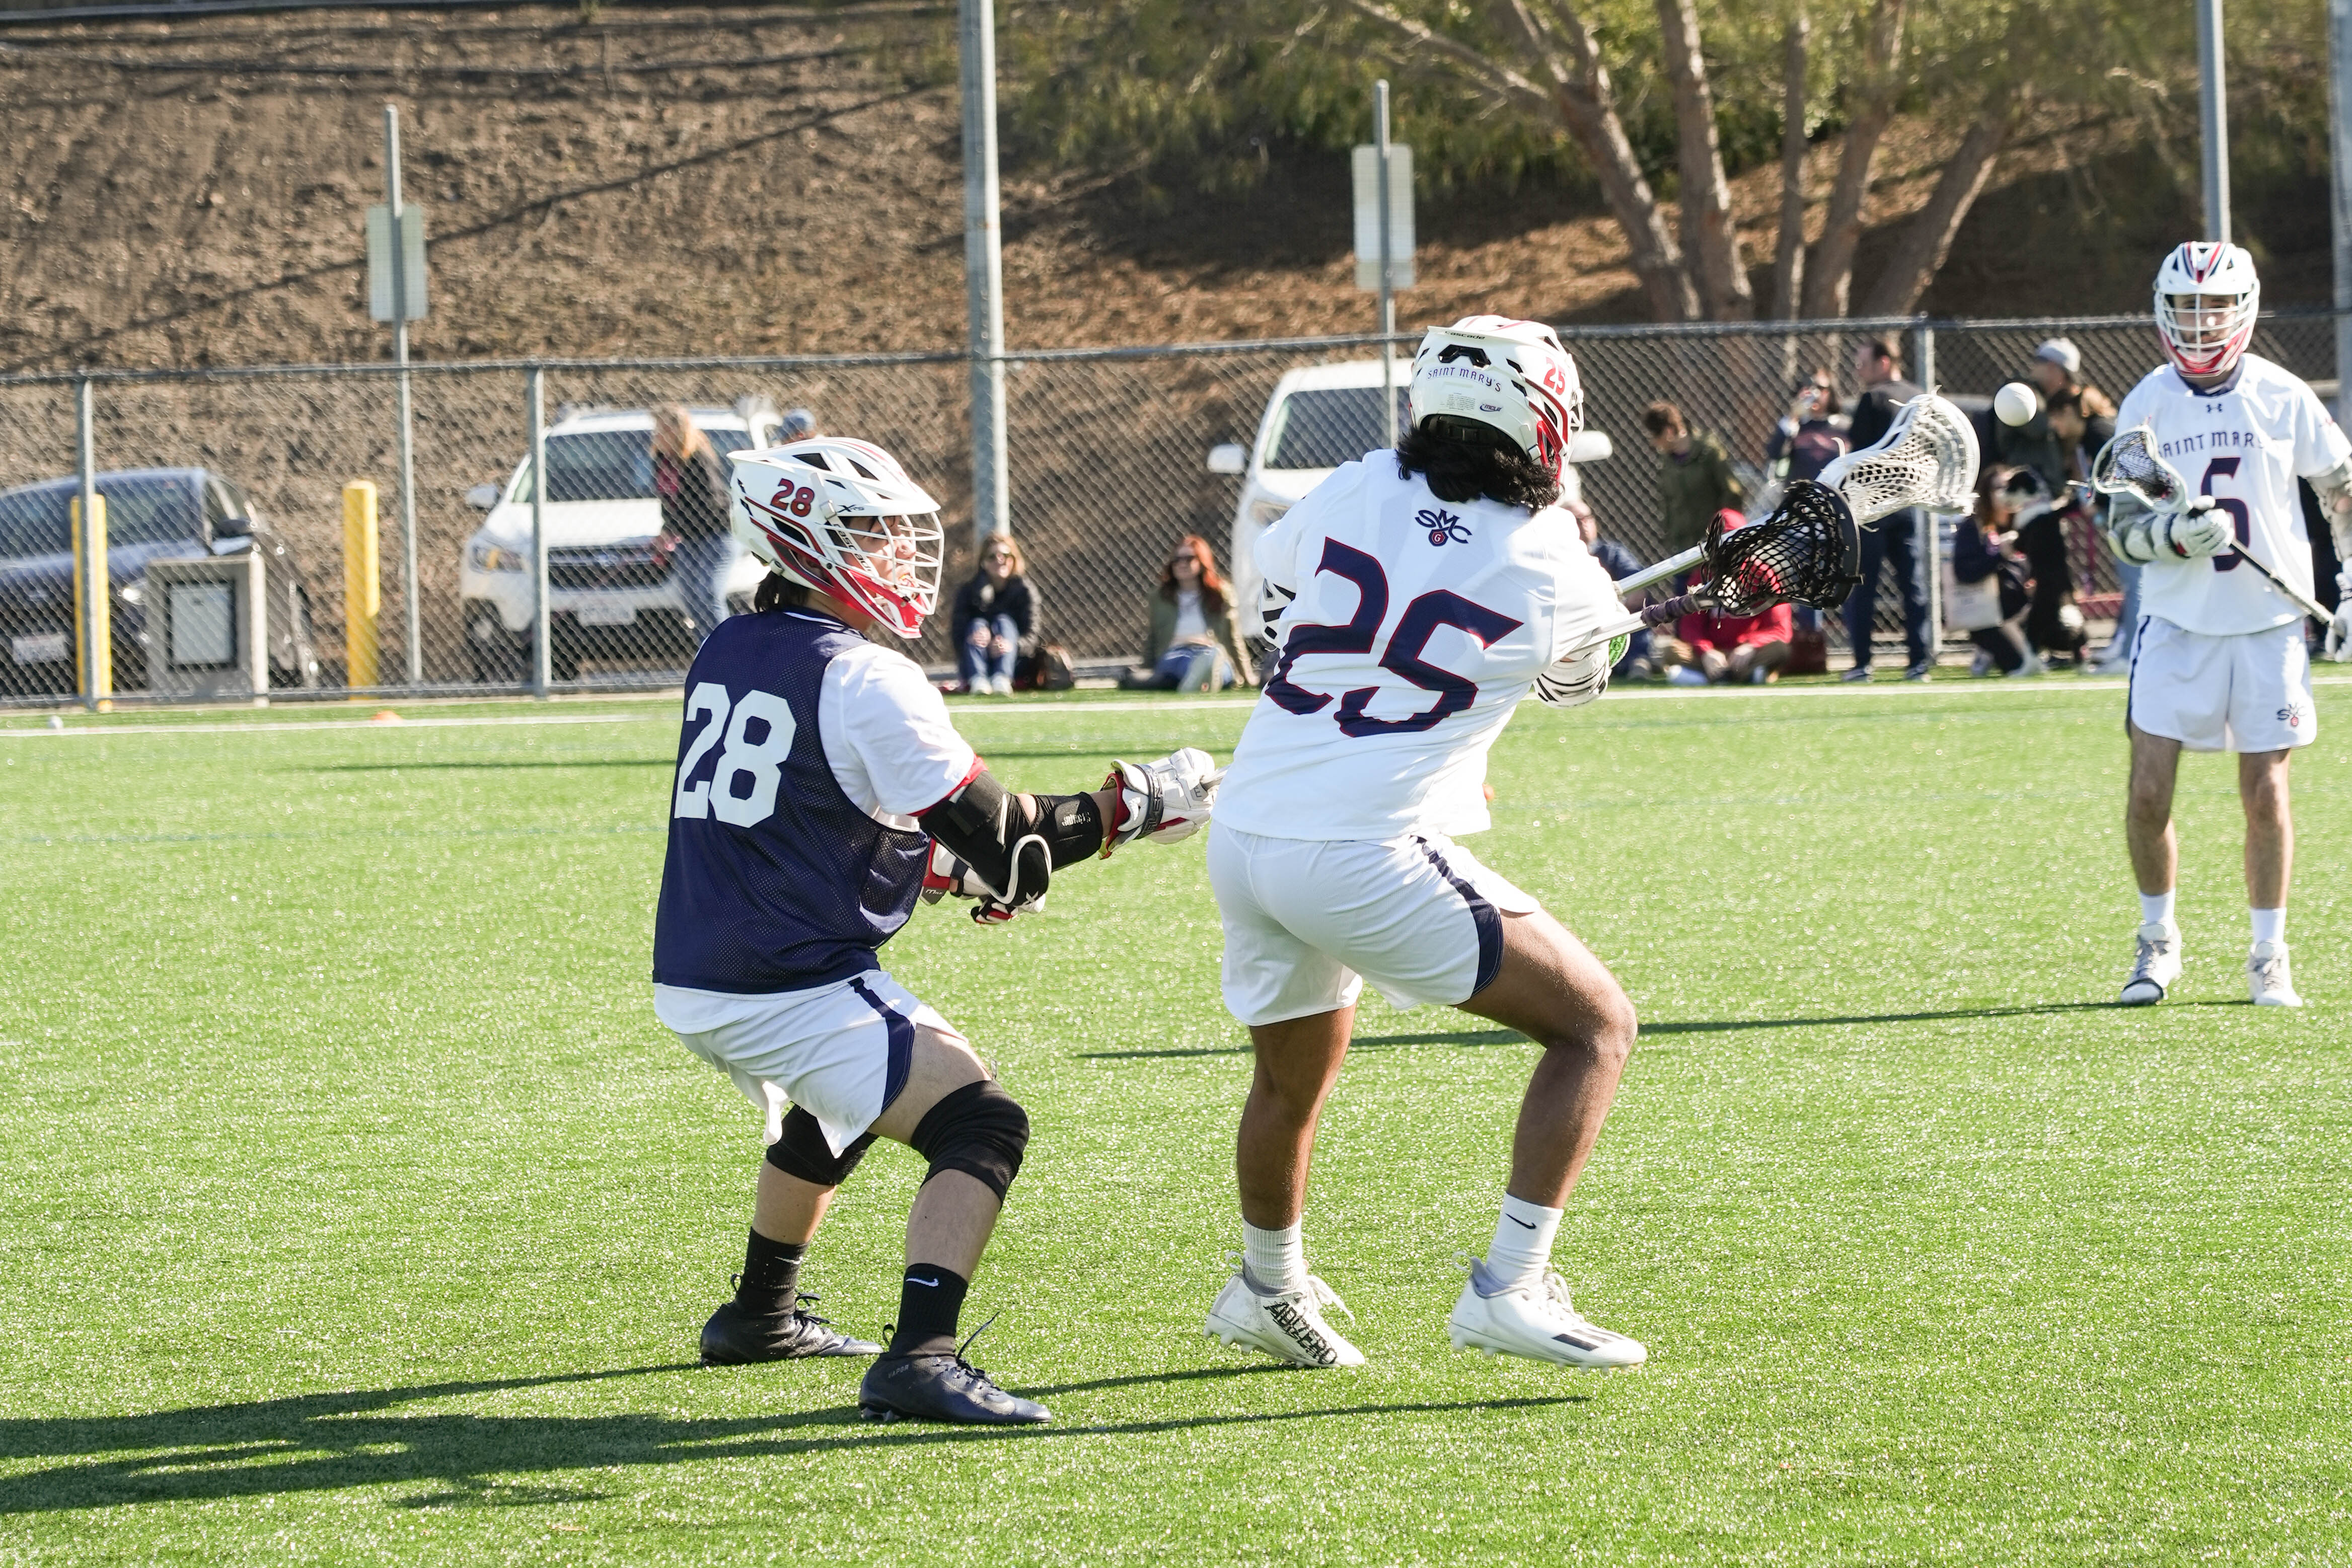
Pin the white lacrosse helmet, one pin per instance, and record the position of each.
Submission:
(1510, 376)
(841, 516)
(2206, 298)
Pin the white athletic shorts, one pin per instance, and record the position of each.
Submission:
(1308, 920)
(2247, 693)
(840, 1051)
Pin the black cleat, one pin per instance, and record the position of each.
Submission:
(734, 1337)
(942, 1387)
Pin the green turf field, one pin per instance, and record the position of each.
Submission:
(357, 1210)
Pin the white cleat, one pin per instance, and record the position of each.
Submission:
(2156, 965)
(1534, 1320)
(1288, 1325)
(2267, 976)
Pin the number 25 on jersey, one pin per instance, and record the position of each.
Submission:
(725, 794)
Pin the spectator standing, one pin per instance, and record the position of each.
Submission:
(1878, 368)
(2084, 420)
(1808, 437)
(995, 619)
(797, 425)
(1619, 563)
(691, 481)
(1192, 645)
(1694, 479)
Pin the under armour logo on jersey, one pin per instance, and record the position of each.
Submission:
(1443, 527)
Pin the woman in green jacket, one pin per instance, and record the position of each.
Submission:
(1193, 645)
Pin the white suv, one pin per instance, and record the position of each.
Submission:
(1319, 418)
(611, 594)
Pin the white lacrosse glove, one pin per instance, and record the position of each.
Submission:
(1164, 800)
(2199, 531)
(1581, 676)
(950, 875)
(2339, 631)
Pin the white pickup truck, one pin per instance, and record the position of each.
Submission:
(1319, 418)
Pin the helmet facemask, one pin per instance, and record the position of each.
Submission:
(841, 516)
(2206, 302)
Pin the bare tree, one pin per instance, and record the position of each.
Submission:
(1711, 237)
(1829, 275)
(1789, 245)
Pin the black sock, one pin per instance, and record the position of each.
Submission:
(929, 1301)
(772, 1275)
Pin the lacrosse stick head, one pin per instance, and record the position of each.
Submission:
(1809, 551)
(2130, 465)
(1926, 458)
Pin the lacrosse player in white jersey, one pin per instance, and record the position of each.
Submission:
(2219, 663)
(1420, 594)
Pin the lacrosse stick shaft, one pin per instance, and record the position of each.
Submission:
(1666, 612)
(1660, 572)
(2302, 602)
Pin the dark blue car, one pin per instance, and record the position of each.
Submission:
(151, 514)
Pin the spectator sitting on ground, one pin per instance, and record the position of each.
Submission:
(1193, 646)
(995, 619)
(1619, 563)
(690, 479)
(1695, 481)
(1992, 602)
(1740, 648)
(1810, 436)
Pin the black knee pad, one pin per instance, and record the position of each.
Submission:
(979, 1130)
(803, 1152)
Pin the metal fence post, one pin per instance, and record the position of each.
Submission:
(1923, 355)
(408, 587)
(983, 272)
(536, 399)
(1387, 271)
(95, 585)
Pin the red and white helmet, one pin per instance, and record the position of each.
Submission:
(1510, 376)
(2206, 298)
(841, 516)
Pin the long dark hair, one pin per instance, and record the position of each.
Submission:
(777, 592)
(1462, 461)
(1213, 586)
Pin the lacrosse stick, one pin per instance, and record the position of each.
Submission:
(1809, 551)
(2130, 465)
(1926, 458)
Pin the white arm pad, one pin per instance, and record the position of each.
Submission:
(2133, 530)
(1578, 679)
(2334, 489)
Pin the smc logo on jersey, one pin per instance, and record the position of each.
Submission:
(2292, 715)
(1443, 525)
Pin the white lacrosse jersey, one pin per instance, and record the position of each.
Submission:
(1418, 626)
(2244, 443)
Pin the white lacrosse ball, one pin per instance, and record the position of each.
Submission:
(2014, 403)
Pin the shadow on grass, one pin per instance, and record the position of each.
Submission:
(1684, 1026)
(324, 1442)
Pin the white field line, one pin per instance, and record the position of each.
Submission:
(1043, 710)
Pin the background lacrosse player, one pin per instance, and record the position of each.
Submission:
(819, 780)
(1421, 593)
(2219, 660)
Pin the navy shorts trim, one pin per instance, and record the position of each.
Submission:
(1483, 916)
(901, 1032)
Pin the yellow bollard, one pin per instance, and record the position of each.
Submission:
(362, 592)
(93, 615)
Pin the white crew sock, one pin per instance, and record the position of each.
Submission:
(1522, 1248)
(2270, 925)
(2156, 908)
(1277, 1259)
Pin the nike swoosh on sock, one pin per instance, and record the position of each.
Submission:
(912, 1281)
(1516, 1220)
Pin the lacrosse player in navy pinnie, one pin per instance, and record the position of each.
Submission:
(821, 792)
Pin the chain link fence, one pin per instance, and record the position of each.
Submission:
(1108, 452)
